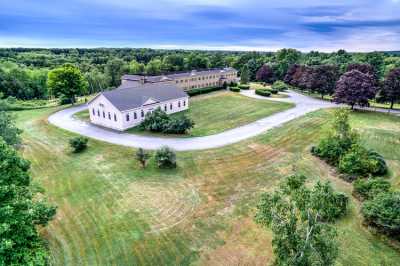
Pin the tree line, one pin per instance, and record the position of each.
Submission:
(24, 72)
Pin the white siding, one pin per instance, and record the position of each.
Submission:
(101, 104)
(134, 122)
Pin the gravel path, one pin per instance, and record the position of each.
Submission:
(304, 104)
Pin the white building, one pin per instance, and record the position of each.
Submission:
(126, 106)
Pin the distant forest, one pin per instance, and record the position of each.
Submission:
(24, 71)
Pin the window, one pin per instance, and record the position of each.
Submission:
(170, 106)
(104, 114)
(165, 108)
(98, 112)
(177, 81)
(142, 113)
(93, 112)
(184, 103)
(109, 115)
(115, 117)
(127, 117)
(134, 115)
(182, 81)
(179, 104)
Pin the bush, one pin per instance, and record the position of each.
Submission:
(159, 121)
(234, 89)
(279, 86)
(263, 92)
(199, 91)
(273, 91)
(244, 86)
(358, 161)
(369, 188)
(332, 148)
(78, 144)
(383, 212)
(338, 141)
(233, 84)
(65, 100)
(331, 204)
(165, 158)
(178, 125)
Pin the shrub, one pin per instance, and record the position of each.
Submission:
(234, 89)
(338, 141)
(142, 156)
(78, 144)
(165, 158)
(369, 188)
(159, 121)
(383, 212)
(332, 148)
(65, 100)
(244, 86)
(358, 161)
(263, 92)
(178, 125)
(273, 91)
(331, 204)
(279, 86)
(233, 84)
(199, 91)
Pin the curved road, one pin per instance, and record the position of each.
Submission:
(64, 119)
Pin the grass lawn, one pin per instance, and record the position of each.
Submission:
(372, 103)
(112, 212)
(219, 111)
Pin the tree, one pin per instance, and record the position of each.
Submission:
(165, 158)
(244, 74)
(391, 88)
(153, 67)
(326, 77)
(22, 212)
(142, 156)
(355, 87)
(114, 69)
(363, 68)
(376, 60)
(298, 218)
(284, 59)
(135, 67)
(78, 144)
(8, 131)
(68, 81)
(265, 74)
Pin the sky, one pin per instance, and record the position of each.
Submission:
(256, 25)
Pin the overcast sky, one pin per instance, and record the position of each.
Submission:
(265, 25)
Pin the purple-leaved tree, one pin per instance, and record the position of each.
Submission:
(265, 74)
(391, 89)
(355, 88)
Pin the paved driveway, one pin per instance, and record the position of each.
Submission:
(304, 104)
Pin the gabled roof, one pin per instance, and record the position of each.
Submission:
(129, 98)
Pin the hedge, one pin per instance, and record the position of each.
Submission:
(273, 91)
(198, 91)
(244, 87)
(263, 92)
(234, 89)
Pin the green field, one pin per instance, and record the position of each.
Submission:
(216, 112)
(111, 212)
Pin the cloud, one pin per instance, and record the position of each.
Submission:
(206, 24)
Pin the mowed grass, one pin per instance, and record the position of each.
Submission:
(112, 212)
(217, 112)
